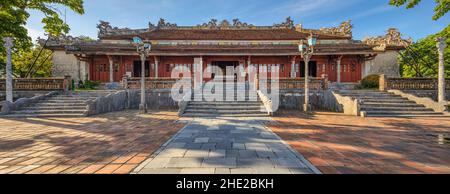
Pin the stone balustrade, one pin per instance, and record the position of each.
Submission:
(296, 83)
(39, 84)
(150, 83)
(390, 83)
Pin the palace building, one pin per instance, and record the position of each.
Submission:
(337, 55)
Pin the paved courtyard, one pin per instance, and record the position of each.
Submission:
(111, 143)
(225, 146)
(336, 143)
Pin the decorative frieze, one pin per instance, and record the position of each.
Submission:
(344, 29)
(393, 37)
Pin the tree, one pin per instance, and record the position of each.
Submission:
(15, 13)
(442, 7)
(22, 60)
(421, 58)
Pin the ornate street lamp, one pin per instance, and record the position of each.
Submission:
(306, 51)
(144, 50)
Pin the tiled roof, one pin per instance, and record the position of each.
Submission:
(102, 48)
(216, 34)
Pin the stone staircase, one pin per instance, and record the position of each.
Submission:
(225, 107)
(72, 104)
(384, 104)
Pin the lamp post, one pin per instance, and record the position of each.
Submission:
(307, 51)
(441, 77)
(144, 50)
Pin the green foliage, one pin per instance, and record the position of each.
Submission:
(421, 58)
(23, 58)
(370, 82)
(15, 13)
(89, 85)
(442, 6)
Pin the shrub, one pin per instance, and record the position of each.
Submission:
(370, 82)
(89, 85)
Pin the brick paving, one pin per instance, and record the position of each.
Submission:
(337, 144)
(111, 143)
(225, 146)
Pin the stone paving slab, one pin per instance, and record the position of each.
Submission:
(226, 146)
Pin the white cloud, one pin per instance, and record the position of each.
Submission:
(35, 34)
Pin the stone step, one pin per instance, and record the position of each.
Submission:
(386, 101)
(34, 107)
(396, 109)
(223, 115)
(66, 115)
(407, 115)
(379, 104)
(59, 104)
(402, 113)
(223, 111)
(64, 101)
(209, 107)
(27, 111)
(225, 103)
(381, 98)
(71, 98)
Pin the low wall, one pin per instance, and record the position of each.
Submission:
(433, 94)
(7, 107)
(130, 99)
(155, 99)
(39, 84)
(395, 83)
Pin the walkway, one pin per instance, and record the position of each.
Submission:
(336, 143)
(111, 143)
(224, 146)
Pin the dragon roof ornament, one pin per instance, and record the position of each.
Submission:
(64, 40)
(288, 24)
(225, 24)
(393, 37)
(344, 29)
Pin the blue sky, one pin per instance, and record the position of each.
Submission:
(369, 17)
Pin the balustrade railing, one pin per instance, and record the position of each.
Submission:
(295, 83)
(36, 84)
(389, 83)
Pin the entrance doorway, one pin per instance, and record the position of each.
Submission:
(312, 69)
(137, 69)
(222, 65)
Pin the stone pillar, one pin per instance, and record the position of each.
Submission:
(67, 84)
(198, 79)
(111, 69)
(156, 66)
(441, 78)
(9, 76)
(293, 73)
(143, 104)
(382, 83)
(338, 69)
(306, 106)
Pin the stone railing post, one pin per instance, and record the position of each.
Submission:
(67, 85)
(441, 73)
(383, 83)
(125, 81)
(324, 81)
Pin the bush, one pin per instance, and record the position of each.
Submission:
(89, 85)
(370, 82)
